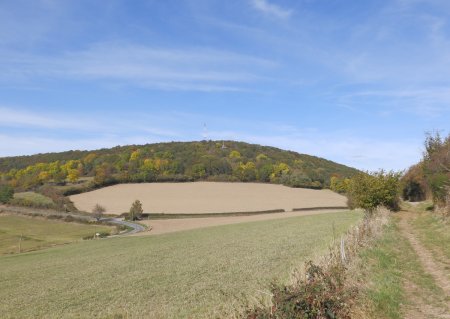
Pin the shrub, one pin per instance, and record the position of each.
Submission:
(33, 200)
(135, 211)
(6, 193)
(322, 294)
(369, 191)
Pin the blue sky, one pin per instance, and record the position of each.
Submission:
(357, 82)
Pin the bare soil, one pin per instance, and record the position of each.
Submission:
(206, 197)
(163, 226)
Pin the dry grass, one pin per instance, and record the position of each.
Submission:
(206, 197)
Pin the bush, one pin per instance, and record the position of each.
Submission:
(322, 294)
(32, 199)
(370, 191)
(135, 211)
(6, 193)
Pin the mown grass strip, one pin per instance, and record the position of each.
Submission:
(394, 276)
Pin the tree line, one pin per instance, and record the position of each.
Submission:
(430, 178)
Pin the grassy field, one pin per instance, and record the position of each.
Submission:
(40, 233)
(33, 199)
(188, 274)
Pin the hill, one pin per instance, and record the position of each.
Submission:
(174, 161)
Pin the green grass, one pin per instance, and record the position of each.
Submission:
(434, 233)
(187, 274)
(40, 233)
(390, 264)
(32, 199)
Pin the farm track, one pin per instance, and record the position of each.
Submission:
(135, 228)
(419, 309)
(163, 226)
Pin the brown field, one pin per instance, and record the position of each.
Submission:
(205, 197)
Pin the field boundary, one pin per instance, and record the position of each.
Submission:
(150, 216)
(318, 208)
(223, 214)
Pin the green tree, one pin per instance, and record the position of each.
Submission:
(6, 193)
(135, 210)
(370, 191)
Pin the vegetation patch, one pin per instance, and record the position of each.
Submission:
(21, 234)
(324, 289)
(32, 199)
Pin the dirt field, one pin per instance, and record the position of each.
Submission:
(205, 197)
(164, 226)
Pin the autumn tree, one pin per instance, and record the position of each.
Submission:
(135, 210)
(73, 175)
(436, 167)
(246, 172)
(339, 185)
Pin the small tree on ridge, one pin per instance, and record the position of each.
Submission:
(98, 211)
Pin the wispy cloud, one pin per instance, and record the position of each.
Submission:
(64, 122)
(274, 10)
(197, 69)
(341, 147)
(16, 117)
(426, 101)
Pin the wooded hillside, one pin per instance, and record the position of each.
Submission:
(174, 161)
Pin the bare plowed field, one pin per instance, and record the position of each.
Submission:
(205, 197)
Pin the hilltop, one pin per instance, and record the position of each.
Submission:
(173, 161)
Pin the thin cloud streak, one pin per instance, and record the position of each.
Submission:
(271, 9)
(200, 69)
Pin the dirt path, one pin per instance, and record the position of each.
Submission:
(172, 225)
(435, 268)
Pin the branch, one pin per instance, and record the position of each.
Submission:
(445, 167)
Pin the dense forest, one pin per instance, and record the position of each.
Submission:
(430, 178)
(174, 161)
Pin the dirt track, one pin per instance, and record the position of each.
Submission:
(205, 197)
(418, 308)
(172, 225)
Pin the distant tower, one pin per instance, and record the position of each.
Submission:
(223, 145)
(205, 132)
